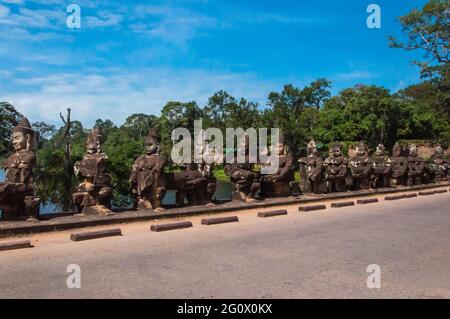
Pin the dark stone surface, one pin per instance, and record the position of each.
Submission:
(146, 180)
(382, 170)
(15, 245)
(416, 167)
(246, 182)
(171, 226)
(342, 204)
(96, 234)
(272, 213)
(311, 207)
(427, 193)
(279, 183)
(396, 197)
(312, 173)
(399, 166)
(93, 194)
(367, 201)
(411, 195)
(440, 191)
(220, 220)
(17, 200)
(336, 170)
(360, 168)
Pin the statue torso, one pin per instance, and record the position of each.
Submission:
(19, 167)
(359, 164)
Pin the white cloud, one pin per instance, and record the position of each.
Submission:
(173, 25)
(355, 75)
(104, 19)
(118, 94)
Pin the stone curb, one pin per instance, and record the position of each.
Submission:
(220, 220)
(171, 226)
(15, 245)
(342, 204)
(96, 234)
(367, 201)
(272, 213)
(311, 207)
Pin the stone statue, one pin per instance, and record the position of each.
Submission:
(361, 168)
(336, 169)
(210, 158)
(195, 184)
(381, 168)
(416, 167)
(246, 181)
(312, 178)
(147, 182)
(93, 195)
(279, 183)
(439, 165)
(17, 198)
(399, 166)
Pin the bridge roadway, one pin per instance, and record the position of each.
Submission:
(318, 254)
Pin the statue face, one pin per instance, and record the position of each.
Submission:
(19, 141)
(439, 150)
(336, 151)
(360, 151)
(312, 150)
(412, 151)
(92, 147)
(279, 149)
(151, 146)
(379, 151)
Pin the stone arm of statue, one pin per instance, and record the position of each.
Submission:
(343, 169)
(285, 171)
(316, 172)
(368, 169)
(133, 179)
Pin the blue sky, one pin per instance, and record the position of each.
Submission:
(132, 57)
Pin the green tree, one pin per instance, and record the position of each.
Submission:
(428, 30)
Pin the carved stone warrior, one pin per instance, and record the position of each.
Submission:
(439, 166)
(191, 183)
(147, 183)
(336, 169)
(279, 183)
(93, 196)
(361, 167)
(246, 181)
(381, 173)
(312, 171)
(17, 198)
(399, 166)
(416, 167)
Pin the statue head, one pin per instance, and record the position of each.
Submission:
(311, 148)
(362, 149)
(336, 150)
(152, 142)
(397, 150)
(439, 151)
(23, 136)
(380, 150)
(94, 141)
(280, 147)
(413, 150)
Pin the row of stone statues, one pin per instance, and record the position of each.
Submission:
(195, 184)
